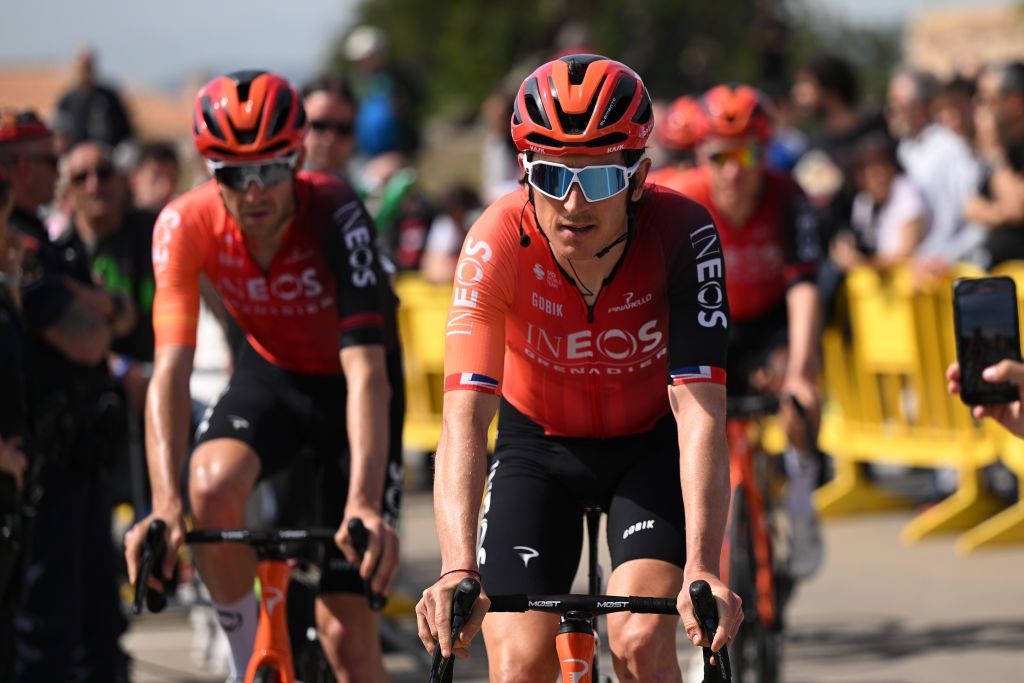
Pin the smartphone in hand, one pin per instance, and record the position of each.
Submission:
(987, 331)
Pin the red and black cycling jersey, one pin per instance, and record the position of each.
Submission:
(324, 289)
(519, 327)
(777, 247)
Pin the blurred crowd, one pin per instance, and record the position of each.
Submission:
(933, 174)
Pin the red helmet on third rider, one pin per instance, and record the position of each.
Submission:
(248, 116)
(738, 112)
(684, 126)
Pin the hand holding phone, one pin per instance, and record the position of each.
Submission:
(987, 332)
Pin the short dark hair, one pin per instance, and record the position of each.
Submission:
(958, 86)
(877, 146)
(159, 152)
(1011, 77)
(332, 85)
(837, 76)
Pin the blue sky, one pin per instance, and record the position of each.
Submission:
(159, 42)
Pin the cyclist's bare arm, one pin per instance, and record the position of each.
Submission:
(461, 470)
(168, 412)
(802, 306)
(699, 410)
(367, 420)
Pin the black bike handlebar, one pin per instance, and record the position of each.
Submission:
(591, 604)
(258, 537)
(463, 598)
(152, 553)
(360, 539)
(706, 611)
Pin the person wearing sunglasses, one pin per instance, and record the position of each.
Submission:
(330, 143)
(772, 249)
(291, 253)
(577, 298)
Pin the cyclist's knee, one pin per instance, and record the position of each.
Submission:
(509, 670)
(644, 650)
(221, 477)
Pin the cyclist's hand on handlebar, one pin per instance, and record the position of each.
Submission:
(730, 612)
(379, 563)
(434, 617)
(136, 536)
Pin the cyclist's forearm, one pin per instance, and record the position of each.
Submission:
(704, 478)
(460, 472)
(367, 420)
(168, 415)
(803, 309)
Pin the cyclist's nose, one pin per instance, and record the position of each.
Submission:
(575, 198)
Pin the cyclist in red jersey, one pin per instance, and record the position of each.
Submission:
(770, 239)
(679, 134)
(576, 299)
(292, 256)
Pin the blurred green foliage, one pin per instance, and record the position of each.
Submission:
(462, 50)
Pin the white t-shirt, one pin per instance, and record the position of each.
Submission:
(882, 226)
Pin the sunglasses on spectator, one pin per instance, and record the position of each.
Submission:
(597, 182)
(341, 129)
(264, 174)
(745, 156)
(102, 172)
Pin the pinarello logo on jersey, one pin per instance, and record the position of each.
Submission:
(468, 274)
(612, 351)
(632, 301)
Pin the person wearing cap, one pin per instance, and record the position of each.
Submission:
(69, 620)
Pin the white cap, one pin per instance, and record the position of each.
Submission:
(365, 41)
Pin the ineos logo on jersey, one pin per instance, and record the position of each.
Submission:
(283, 287)
(481, 552)
(612, 344)
(710, 290)
(168, 221)
(468, 273)
(359, 241)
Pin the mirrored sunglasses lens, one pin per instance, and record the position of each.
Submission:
(552, 180)
(264, 175)
(601, 183)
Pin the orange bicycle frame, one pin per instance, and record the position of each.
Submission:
(575, 644)
(273, 646)
(741, 473)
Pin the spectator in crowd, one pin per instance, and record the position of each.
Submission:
(999, 203)
(68, 622)
(117, 241)
(400, 212)
(386, 119)
(499, 165)
(154, 176)
(789, 143)
(890, 214)
(460, 208)
(953, 107)
(938, 161)
(827, 93)
(90, 110)
(1010, 415)
(331, 109)
(14, 429)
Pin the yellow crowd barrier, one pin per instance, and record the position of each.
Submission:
(885, 380)
(422, 314)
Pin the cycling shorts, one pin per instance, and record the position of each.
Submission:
(538, 487)
(296, 424)
(751, 342)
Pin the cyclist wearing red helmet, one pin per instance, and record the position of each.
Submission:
(770, 239)
(679, 134)
(577, 298)
(292, 256)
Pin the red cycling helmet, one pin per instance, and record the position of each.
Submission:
(582, 104)
(684, 125)
(248, 116)
(738, 112)
(18, 126)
